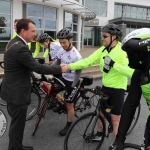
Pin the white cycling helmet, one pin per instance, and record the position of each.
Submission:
(138, 33)
(137, 46)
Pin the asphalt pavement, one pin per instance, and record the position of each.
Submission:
(47, 136)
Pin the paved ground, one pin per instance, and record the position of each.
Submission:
(47, 137)
(88, 50)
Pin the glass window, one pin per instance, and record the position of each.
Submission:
(74, 36)
(97, 6)
(50, 24)
(38, 22)
(5, 24)
(68, 17)
(5, 33)
(75, 27)
(5, 20)
(5, 7)
(35, 10)
(68, 25)
(75, 18)
(50, 12)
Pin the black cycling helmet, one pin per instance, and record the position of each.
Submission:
(137, 46)
(43, 37)
(112, 29)
(65, 34)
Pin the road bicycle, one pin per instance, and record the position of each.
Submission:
(82, 131)
(3, 123)
(81, 98)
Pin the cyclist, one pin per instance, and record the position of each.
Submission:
(114, 66)
(67, 54)
(15, 34)
(137, 46)
(53, 47)
(38, 45)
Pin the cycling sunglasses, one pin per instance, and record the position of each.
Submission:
(105, 36)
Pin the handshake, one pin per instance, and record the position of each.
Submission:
(65, 68)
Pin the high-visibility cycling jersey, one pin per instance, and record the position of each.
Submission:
(117, 75)
(67, 57)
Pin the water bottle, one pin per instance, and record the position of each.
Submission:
(108, 111)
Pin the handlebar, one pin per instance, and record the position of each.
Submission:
(40, 60)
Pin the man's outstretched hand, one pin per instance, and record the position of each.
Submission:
(116, 146)
(65, 67)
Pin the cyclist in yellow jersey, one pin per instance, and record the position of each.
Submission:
(114, 66)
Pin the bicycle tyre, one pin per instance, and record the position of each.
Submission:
(33, 106)
(77, 137)
(3, 102)
(130, 145)
(135, 119)
(84, 105)
(3, 123)
(39, 118)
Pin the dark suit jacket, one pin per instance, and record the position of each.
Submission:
(18, 64)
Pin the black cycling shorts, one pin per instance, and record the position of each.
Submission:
(68, 87)
(116, 99)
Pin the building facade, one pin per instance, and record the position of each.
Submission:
(50, 16)
(130, 15)
(84, 17)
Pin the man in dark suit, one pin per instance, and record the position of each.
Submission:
(16, 87)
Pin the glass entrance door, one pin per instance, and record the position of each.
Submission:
(88, 36)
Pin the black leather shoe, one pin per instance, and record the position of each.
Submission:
(26, 148)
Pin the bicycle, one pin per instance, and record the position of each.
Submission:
(3, 123)
(81, 98)
(83, 130)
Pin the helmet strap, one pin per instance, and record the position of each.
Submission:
(108, 48)
(70, 46)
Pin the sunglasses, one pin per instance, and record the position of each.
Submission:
(105, 36)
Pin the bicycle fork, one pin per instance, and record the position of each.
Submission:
(88, 138)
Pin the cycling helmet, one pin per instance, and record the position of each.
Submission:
(112, 29)
(64, 34)
(43, 37)
(137, 46)
(137, 41)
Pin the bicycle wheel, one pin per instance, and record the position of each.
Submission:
(135, 119)
(84, 104)
(81, 133)
(40, 116)
(2, 102)
(3, 123)
(34, 105)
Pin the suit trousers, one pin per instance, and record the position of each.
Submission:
(17, 125)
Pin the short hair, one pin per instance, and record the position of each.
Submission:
(16, 20)
(23, 24)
